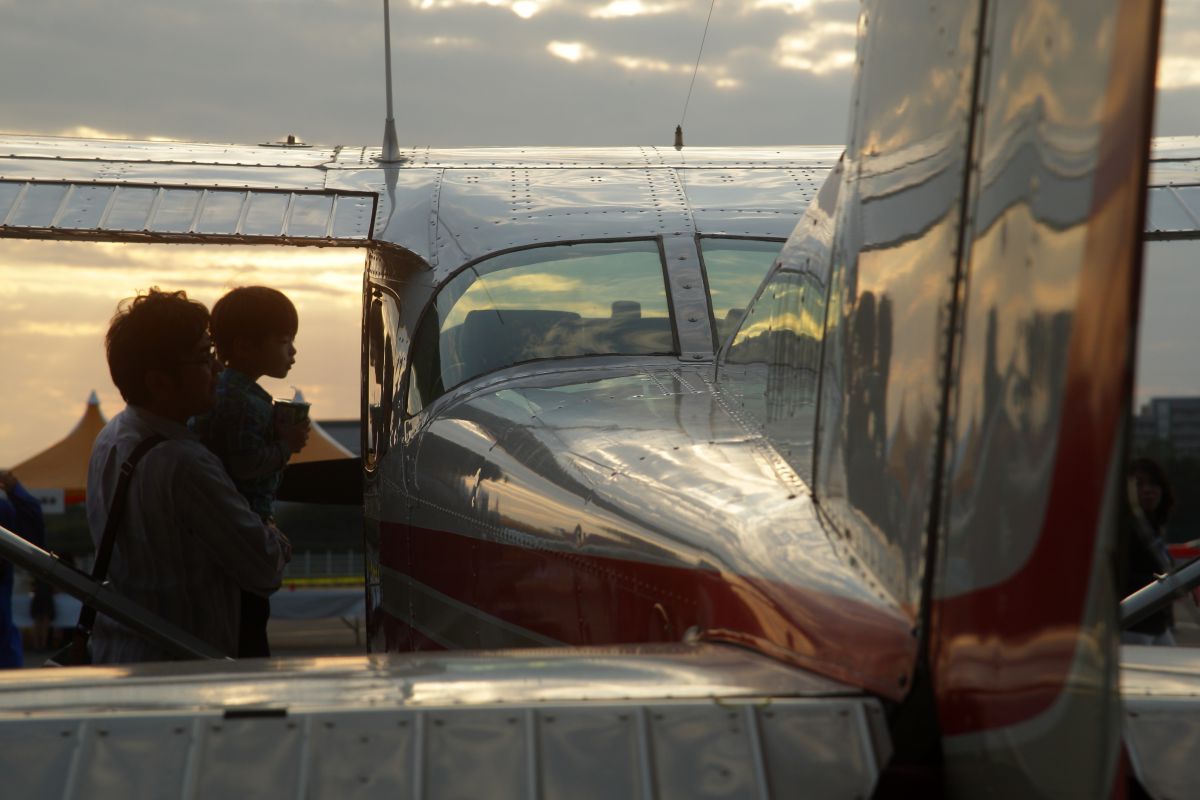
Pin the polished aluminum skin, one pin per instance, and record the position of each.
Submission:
(634, 495)
(984, 279)
(914, 426)
(1160, 697)
(581, 723)
(621, 502)
(65, 188)
(1024, 651)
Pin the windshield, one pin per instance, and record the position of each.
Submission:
(605, 298)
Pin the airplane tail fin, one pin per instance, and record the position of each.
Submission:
(978, 359)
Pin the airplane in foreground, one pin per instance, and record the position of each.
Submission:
(669, 511)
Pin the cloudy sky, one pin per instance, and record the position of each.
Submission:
(467, 72)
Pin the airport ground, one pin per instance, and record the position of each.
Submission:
(316, 637)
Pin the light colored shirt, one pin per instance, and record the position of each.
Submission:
(188, 542)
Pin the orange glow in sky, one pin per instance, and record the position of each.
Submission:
(57, 299)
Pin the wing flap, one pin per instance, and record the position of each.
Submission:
(124, 212)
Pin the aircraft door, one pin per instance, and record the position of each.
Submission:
(382, 316)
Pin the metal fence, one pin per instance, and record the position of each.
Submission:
(325, 564)
(305, 564)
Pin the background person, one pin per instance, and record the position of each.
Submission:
(1147, 557)
(21, 513)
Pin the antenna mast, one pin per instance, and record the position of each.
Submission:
(391, 148)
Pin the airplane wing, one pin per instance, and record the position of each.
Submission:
(1173, 210)
(179, 192)
(165, 191)
(577, 723)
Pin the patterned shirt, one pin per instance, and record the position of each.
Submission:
(188, 543)
(241, 431)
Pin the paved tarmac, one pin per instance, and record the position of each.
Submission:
(319, 637)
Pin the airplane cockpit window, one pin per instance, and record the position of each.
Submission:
(772, 364)
(383, 315)
(1161, 527)
(735, 268)
(603, 298)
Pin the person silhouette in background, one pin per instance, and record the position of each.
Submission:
(188, 543)
(1146, 552)
(21, 513)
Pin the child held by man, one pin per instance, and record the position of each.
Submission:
(254, 330)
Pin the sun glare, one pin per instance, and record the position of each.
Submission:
(636, 64)
(1178, 72)
(570, 51)
(526, 8)
(522, 8)
(617, 9)
(786, 6)
(820, 49)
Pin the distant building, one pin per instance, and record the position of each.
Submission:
(1171, 420)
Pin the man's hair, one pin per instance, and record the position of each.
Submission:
(156, 330)
(254, 313)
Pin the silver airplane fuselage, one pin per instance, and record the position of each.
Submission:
(861, 414)
(564, 466)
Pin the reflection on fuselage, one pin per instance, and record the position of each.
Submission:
(571, 460)
(615, 497)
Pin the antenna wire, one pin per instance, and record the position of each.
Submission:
(697, 69)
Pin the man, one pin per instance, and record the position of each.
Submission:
(21, 513)
(188, 543)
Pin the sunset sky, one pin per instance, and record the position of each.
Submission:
(468, 72)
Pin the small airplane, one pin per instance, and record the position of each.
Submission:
(800, 467)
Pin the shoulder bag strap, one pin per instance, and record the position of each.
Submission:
(87, 615)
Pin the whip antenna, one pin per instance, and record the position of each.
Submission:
(679, 127)
(391, 148)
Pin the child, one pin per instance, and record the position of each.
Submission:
(253, 328)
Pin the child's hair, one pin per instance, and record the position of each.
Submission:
(153, 331)
(251, 312)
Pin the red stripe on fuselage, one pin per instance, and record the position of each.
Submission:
(583, 599)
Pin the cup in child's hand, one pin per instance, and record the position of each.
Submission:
(291, 412)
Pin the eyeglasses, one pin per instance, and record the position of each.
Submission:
(207, 360)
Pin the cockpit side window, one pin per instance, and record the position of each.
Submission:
(734, 268)
(599, 298)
